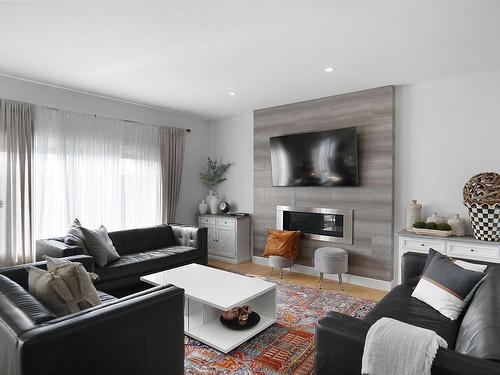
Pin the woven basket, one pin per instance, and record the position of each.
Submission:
(482, 198)
(485, 221)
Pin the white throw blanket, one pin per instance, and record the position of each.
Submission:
(396, 348)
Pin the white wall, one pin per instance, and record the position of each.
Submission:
(197, 142)
(446, 131)
(232, 141)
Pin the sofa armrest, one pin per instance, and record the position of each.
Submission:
(190, 235)
(412, 267)
(56, 249)
(141, 334)
(340, 341)
(450, 362)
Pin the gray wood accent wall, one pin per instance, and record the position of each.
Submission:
(372, 112)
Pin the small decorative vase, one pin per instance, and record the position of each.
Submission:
(413, 214)
(214, 205)
(457, 225)
(436, 219)
(203, 207)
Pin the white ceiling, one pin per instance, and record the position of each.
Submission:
(188, 56)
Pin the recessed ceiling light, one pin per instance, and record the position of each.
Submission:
(233, 93)
(329, 69)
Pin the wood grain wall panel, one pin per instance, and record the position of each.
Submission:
(372, 112)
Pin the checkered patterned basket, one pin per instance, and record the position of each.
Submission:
(485, 221)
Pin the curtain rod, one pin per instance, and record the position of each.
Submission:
(111, 118)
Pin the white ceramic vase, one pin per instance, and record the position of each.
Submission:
(413, 214)
(203, 207)
(457, 225)
(214, 205)
(436, 219)
(210, 195)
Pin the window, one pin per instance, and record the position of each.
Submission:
(99, 170)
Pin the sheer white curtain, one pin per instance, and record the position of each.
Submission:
(100, 170)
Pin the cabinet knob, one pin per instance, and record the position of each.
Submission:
(471, 249)
(422, 244)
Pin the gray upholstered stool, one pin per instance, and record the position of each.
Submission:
(330, 260)
(276, 261)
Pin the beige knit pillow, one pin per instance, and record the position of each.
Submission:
(65, 288)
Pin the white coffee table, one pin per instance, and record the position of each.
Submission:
(208, 291)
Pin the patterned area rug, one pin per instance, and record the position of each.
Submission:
(287, 347)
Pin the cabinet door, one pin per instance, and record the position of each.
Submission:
(226, 244)
(212, 243)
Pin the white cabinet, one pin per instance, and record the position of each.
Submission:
(228, 237)
(455, 247)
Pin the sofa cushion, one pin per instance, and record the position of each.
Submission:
(479, 333)
(28, 304)
(146, 262)
(133, 241)
(400, 305)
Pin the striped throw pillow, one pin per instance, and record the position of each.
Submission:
(445, 286)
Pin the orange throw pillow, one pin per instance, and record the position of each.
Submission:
(285, 243)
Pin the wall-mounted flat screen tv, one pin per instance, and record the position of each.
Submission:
(327, 158)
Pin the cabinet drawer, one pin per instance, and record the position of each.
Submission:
(206, 220)
(472, 251)
(226, 222)
(423, 245)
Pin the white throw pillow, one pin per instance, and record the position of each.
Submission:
(78, 280)
(65, 287)
(49, 289)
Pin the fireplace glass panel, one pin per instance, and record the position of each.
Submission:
(314, 223)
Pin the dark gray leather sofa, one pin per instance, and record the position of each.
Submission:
(142, 333)
(142, 251)
(473, 339)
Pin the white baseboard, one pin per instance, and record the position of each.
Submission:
(228, 260)
(351, 279)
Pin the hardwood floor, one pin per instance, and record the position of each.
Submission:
(301, 279)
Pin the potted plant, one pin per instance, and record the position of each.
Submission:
(213, 178)
(432, 229)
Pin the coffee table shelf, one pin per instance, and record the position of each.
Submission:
(208, 292)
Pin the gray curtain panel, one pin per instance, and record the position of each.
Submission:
(172, 142)
(16, 151)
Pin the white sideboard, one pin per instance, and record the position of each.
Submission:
(228, 237)
(456, 247)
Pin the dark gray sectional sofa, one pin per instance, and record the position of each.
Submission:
(142, 251)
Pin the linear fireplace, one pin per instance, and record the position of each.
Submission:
(324, 224)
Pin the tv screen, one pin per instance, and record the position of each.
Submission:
(327, 158)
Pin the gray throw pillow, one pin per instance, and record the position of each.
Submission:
(99, 245)
(446, 286)
(74, 236)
